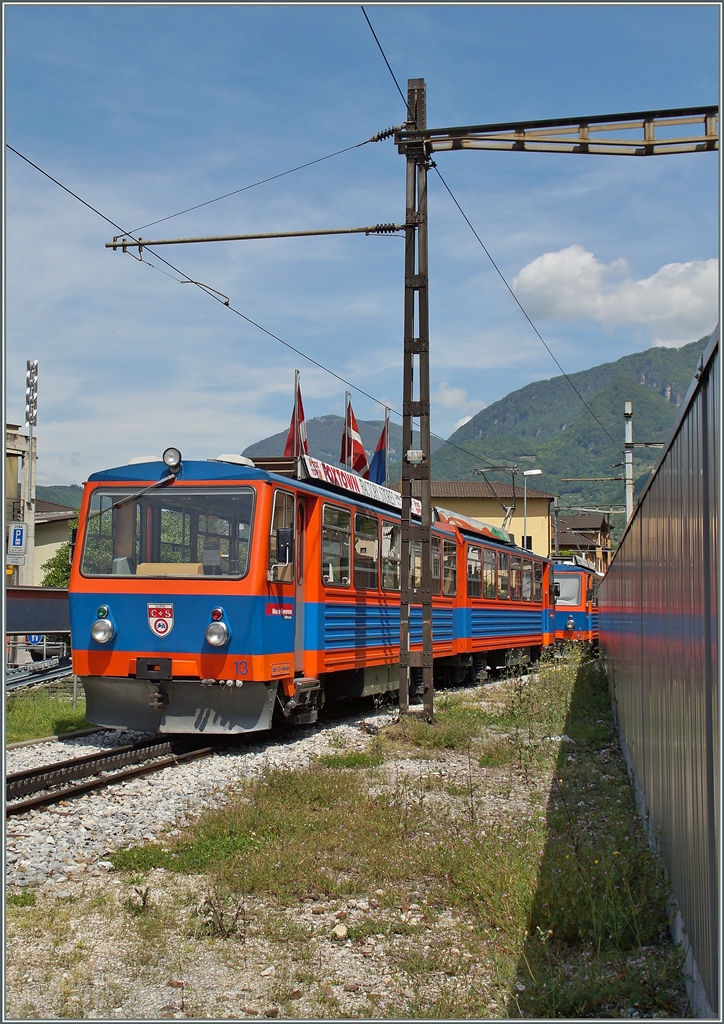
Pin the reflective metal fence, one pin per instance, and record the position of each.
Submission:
(659, 633)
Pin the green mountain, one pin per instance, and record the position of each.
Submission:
(60, 495)
(324, 434)
(546, 426)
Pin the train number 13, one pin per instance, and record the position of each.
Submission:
(241, 668)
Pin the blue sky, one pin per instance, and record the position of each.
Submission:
(145, 110)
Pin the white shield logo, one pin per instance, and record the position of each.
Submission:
(160, 618)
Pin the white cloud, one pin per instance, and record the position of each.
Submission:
(462, 422)
(457, 399)
(678, 303)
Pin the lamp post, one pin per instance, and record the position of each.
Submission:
(526, 474)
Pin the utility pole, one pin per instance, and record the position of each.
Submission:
(416, 404)
(26, 572)
(628, 458)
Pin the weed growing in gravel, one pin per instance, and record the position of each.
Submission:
(26, 898)
(562, 909)
(354, 759)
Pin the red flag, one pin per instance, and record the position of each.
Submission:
(353, 452)
(297, 438)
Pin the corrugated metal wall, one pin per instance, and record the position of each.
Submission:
(658, 620)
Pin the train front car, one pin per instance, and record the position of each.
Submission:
(177, 622)
(576, 601)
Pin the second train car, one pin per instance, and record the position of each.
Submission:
(207, 596)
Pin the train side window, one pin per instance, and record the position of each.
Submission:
(514, 578)
(537, 581)
(416, 564)
(435, 564)
(503, 579)
(595, 583)
(282, 519)
(527, 580)
(366, 548)
(488, 573)
(449, 568)
(391, 553)
(336, 530)
(475, 572)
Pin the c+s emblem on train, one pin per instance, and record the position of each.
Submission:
(160, 618)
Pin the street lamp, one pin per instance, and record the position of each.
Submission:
(526, 474)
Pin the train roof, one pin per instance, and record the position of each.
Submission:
(574, 563)
(305, 471)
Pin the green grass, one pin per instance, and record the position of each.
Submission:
(30, 716)
(21, 899)
(354, 759)
(563, 904)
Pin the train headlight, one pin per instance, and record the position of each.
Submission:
(102, 631)
(217, 633)
(172, 458)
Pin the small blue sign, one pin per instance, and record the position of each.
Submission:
(18, 536)
(34, 638)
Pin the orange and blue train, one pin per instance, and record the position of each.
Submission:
(210, 597)
(576, 585)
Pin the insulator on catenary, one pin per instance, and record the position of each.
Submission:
(386, 134)
(386, 229)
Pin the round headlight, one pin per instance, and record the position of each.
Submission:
(172, 458)
(102, 631)
(217, 633)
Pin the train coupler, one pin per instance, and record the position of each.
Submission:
(302, 707)
(159, 699)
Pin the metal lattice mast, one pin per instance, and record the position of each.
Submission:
(416, 406)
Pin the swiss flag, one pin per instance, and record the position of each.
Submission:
(297, 440)
(353, 452)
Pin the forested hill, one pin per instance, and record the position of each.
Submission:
(542, 409)
(546, 426)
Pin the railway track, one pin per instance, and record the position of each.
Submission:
(38, 787)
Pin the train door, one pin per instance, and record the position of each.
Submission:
(299, 586)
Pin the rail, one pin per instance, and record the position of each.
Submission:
(38, 787)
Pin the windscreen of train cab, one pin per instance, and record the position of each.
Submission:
(570, 584)
(187, 532)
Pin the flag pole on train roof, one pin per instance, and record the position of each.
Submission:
(347, 437)
(296, 414)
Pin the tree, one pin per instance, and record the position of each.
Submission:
(57, 568)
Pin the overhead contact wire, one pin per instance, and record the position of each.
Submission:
(263, 181)
(188, 280)
(487, 253)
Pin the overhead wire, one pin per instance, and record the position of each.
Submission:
(205, 289)
(488, 254)
(262, 181)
